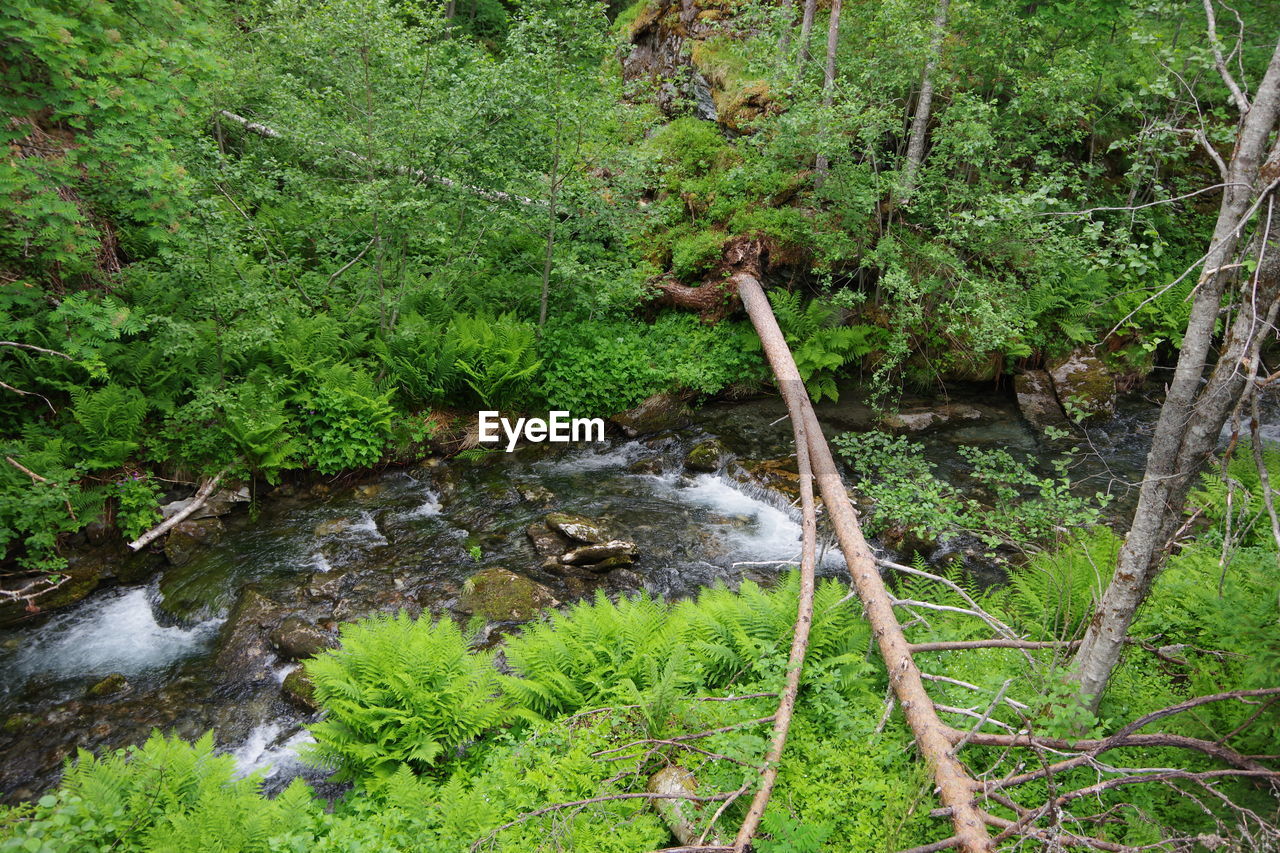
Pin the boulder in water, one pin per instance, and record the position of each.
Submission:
(1084, 385)
(594, 555)
(577, 527)
(706, 456)
(299, 690)
(244, 653)
(547, 542)
(656, 413)
(1037, 401)
(221, 503)
(295, 638)
(928, 417)
(112, 684)
(500, 595)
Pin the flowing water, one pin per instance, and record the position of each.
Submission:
(187, 651)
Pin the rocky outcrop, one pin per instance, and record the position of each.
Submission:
(500, 595)
(656, 413)
(1037, 401)
(295, 638)
(244, 652)
(1084, 385)
(221, 503)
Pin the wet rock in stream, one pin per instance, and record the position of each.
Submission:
(295, 638)
(501, 595)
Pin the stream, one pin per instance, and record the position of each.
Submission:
(186, 649)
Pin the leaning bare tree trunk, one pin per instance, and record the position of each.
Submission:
(1192, 417)
(551, 231)
(784, 40)
(829, 82)
(924, 104)
(793, 390)
(955, 787)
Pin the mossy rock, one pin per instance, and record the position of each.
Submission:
(187, 537)
(500, 595)
(82, 578)
(706, 456)
(112, 684)
(1085, 386)
(299, 690)
(659, 412)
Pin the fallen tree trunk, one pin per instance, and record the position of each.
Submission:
(932, 736)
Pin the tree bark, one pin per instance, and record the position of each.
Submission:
(924, 104)
(955, 786)
(173, 521)
(821, 164)
(1192, 417)
(551, 230)
(806, 35)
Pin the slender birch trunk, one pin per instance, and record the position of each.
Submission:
(1193, 416)
(829, 82)
(924, 104)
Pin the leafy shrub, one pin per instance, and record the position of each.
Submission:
(35, 513)
(401, 692)
(137, 505)
(601, 367)
(346, 420)
(1024, 509)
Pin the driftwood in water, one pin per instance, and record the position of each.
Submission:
(164, 527)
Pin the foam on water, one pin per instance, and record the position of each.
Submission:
(366, 527)
(265, 751)
(115, 632)
(430, 507)
(593, 459)
(770, 533)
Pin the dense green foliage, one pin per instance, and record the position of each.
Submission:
(275, 235)
(231, 297)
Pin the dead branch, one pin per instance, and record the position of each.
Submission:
(35, 348)
(957, 645)
(268, 132)
(165, 526)
(37, 478)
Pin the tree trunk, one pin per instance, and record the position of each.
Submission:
(806, 35)
(784, 40)
(1192, 417)
(924, 104)
(932, 736)
(551, 230)
(829, 82)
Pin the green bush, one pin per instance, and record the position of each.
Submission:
(601, 367)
